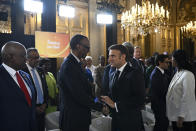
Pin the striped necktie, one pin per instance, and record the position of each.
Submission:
(23, 88)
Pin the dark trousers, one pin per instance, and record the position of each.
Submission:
(40, 120)
(127, 123)
(161, 123)
(187, 126)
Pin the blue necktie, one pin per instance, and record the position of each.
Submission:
(38, 88)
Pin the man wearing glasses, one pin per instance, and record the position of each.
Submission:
(75, 89)
(39, 82)
(158, 90)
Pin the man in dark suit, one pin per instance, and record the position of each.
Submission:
(136, 62)
(127, 92)
(158, 90)
(17, 111)
(76, 89)
(39, 81)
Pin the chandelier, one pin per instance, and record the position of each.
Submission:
(109, 6)
(5, 27)
(145, 19)
(189, 29)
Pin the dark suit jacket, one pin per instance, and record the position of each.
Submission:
(138, 64)
(129, 94)
(43, 80)
(158, 91)
(15, 113)
(107, 78)
(77, 97)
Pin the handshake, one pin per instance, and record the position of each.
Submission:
(109, 102)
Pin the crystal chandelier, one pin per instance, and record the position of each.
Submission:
(109, 6)
(144, 19)
(189, 29)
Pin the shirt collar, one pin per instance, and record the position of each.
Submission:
(78, 60)
(162, 71)
(10, 70)
(122, 67)
(29, 67)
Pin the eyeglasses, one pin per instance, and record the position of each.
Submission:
(87, 47)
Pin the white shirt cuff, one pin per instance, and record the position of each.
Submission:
(116, 107)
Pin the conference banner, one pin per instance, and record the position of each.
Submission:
(51, 44)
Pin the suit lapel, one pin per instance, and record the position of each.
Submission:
(127, 67)
(121, 77)
(12, 84)
(81, 73)
(174, 80)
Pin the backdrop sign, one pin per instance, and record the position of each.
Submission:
(51, 44)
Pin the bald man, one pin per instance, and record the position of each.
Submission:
(17, 96)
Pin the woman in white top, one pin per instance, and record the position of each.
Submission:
(180, 99)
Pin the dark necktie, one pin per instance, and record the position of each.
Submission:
(23, 88)
(140, 65)
(115, 78)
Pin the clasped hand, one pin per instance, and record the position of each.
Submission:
(108, 101)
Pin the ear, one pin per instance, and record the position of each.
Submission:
(160, 62)
(123, 56)
(77, 46)
(9, 56)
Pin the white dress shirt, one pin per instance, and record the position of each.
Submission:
(78, 60)
(161, 70)
(12, 73)
(180, 98)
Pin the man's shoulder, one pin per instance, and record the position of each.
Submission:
(25, 68)
(2, 70)
(69, 60)
(130, 69)
(156, 73)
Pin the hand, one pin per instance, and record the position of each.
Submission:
(108, 101)
(180, 121)
(105, 110)
(43, 107)
(39, 110)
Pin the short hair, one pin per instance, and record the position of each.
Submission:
(8, 48)
(88, 57)
(181, 59)
(29, 50)
(75, 40)
(121, 48)
(151, 60)
(160, 58)
(129, 47)
(137, 47)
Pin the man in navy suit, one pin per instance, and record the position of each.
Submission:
(75, 114)
(37, 76)
(158, 90)
(127, 92)
(17, 111)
